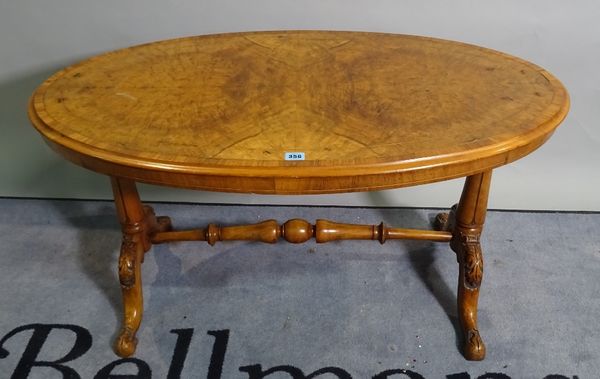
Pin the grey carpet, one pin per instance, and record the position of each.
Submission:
(358, 306)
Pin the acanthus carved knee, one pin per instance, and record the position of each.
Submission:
(127, 261)
(472, 259)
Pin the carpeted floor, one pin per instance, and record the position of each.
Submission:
(238, 309)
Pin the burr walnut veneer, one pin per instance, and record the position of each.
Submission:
(366, 111)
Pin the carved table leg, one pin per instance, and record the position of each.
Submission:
(467, 224)
(132, 216)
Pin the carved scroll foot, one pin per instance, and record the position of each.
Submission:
(445, 221)
(156, 224)
(126, 342)
(163, 224)
(441, 221)
(152, 225)
(474, 349)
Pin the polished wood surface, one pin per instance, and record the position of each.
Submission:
(465, 221)
(299, 231)
(369, 110)
(135, 244)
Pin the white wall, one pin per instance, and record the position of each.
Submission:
(39, 37)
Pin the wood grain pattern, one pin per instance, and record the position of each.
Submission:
(369, 110)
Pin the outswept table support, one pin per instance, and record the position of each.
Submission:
(135, 243)
(465, 222)
(138, 223)
(461, 228)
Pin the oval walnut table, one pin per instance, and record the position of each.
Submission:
(299, 112)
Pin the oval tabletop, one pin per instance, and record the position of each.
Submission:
(367, 110)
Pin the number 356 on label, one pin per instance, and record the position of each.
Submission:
(294, 156)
